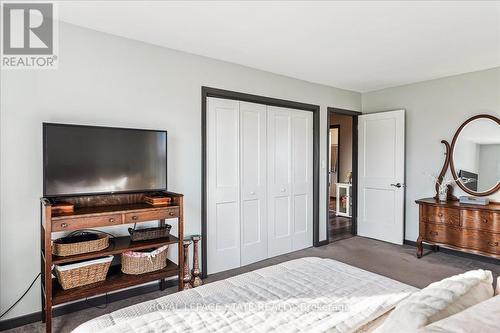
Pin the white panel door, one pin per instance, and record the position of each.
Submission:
(381, 157)
(290, 180)
(279, 180)
(253, 182)
(302, 178)
(223, 200)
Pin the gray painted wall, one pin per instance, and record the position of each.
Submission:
(434, 111)
(111, 81)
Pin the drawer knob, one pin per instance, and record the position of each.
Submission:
(64, 225)
(433, 233)
(440, 214)
(485, 220)
(171, 213)
(493, 243)
(135, 217)
(111, 220)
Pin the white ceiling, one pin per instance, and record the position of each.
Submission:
(356, 45)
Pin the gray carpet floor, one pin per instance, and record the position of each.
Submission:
(396, 262)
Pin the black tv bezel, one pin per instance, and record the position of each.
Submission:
(468, 174)
(44, 144)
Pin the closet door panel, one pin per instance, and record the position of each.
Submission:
(279, 148)
(253, 182)
(223, 201)
(302, 175)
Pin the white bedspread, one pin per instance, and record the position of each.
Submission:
(308, 294)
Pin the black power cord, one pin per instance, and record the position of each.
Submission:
(20, 298)
(32, 283)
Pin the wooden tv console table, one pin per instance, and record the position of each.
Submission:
(101, 211)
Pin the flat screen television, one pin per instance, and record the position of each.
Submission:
(85, 160)
(472, 177)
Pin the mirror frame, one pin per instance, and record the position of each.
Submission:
(452, 150)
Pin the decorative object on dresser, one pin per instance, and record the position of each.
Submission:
(186, 274)
(472, 157)
(474, 200)
(196, 280)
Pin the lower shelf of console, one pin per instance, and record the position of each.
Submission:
(114, 281)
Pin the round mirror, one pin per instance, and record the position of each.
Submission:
(475, 159)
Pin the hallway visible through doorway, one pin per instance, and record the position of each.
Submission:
(341, 169)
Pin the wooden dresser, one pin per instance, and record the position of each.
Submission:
(467, 228)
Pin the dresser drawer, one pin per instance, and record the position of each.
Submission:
(481, 219)
(482, 240)
(76, 223)
(440, 215)
(442, 234)
(167, 213)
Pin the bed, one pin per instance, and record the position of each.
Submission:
(307, 294)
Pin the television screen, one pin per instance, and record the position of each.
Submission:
(90, 160)
(469, 179)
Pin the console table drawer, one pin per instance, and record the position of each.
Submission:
(76, 223)
(167, 213)
(441, 215)
(484, 220)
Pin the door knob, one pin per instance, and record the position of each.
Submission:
(398, 185)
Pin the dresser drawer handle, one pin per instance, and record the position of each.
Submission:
(64, 225)
(135, 217)
(485, 220)
(493, 244)
(440, 214)
(171, 213)
(433, 233)
(111, 220)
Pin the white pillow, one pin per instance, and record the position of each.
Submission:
(440, 300)
(483, 317)
(497, 292)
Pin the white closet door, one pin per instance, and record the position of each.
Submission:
(253, 182)
(279, 148)
(223, 201)
(302, 178)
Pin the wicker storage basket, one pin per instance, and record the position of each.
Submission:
(83, 273)
(71, 249)
(149, 233)
(144, 262)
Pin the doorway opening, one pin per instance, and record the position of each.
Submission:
(342, 174)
